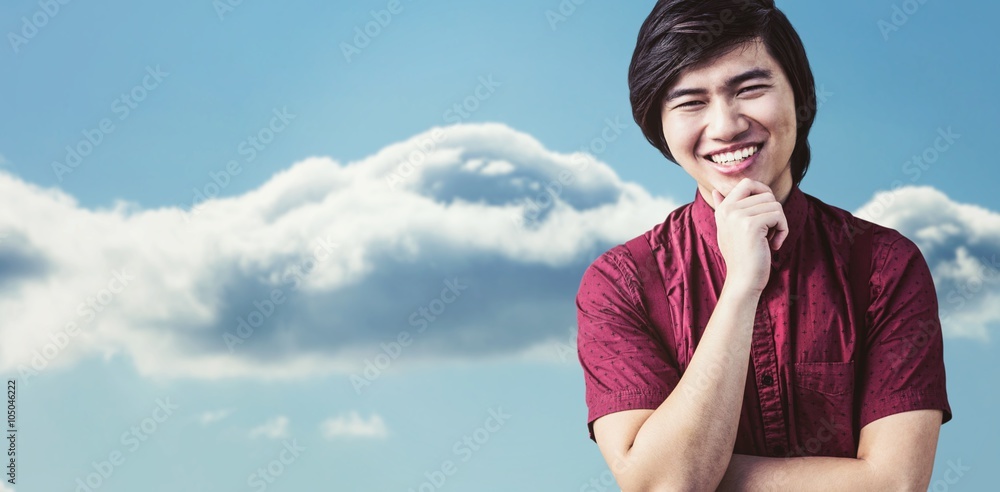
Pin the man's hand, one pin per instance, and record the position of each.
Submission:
(750, 223)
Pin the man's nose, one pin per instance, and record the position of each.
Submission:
(726, 121)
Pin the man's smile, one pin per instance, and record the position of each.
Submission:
(737, 153)
(735, 161)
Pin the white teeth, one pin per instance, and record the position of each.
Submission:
(733, 156)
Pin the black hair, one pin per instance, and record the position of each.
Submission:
(679, 34)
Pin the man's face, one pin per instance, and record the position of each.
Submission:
(736, 102)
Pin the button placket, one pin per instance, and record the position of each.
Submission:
(765, 363)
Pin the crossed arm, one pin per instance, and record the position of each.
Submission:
(687, 442)
(895, 453)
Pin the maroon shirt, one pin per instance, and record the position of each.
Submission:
(801, 393)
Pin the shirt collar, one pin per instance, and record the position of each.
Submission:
(795, 208)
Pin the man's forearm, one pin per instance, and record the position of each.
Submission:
(689, 439)
(895, 453)
(808, 473)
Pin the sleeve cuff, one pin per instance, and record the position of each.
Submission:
(617, 402)
(905, 402)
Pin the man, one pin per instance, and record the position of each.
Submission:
(754, 369)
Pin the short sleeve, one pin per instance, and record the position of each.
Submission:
(625, 365)
(905, 347)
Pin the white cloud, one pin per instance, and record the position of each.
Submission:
(276, 428)
(352, 425)
(960, 243)
(213, 416)
(497, 168)
(323, 266)
(356, 254)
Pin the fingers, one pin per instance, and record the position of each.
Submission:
(753, 200)
(770, 218)
(781, 232)
(756, 200)
(745, 188)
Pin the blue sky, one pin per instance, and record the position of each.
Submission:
(316, 207)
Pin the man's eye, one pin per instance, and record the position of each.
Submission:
(753, 87)
(688, 104)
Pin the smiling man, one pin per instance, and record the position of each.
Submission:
(759, 338)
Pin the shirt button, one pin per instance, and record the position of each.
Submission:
(779, 450)
(767, 380)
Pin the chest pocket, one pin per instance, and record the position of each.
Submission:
(822, 402)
